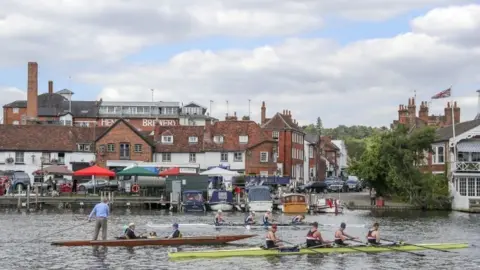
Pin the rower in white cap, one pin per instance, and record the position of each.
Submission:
(219, 218)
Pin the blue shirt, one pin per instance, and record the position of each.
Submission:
(100, 210)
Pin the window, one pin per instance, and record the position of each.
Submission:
(167, 139)
(124, 151)
(478, 187)
(263, 156)
(462, 189)
(169, 110)
(275, 135)
(83, 147)
(15, 122)
(293, 171)
(462, 156)
(15, 110)
(192, 158)
(237, 157)
(218, 139)
(439, 155)
(138, 148)
(243, 139)
(193, 139)
(223, 157)
(61, 158)
(312, 172)
(264, 173)
(293, 152)
(166, 157)
(471, 186)
(101, 148)
(310, 151)
(111, 147)
(475, 158)
(19, 157)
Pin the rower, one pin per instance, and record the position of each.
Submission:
(130, 231)
(219, 218)
(373, 236)
(298, 219)
(314, 237)
(176, 232)
(271, 240)
(250, 218)
(341, 236)
(267, 218)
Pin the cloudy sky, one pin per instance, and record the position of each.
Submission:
(350, 62)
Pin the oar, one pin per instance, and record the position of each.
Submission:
(310, 248)
(43, 236)
(391, 248)
(419, 246)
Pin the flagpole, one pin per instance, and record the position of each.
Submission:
(453, 127)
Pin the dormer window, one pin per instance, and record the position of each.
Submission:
(167, 139)
(243, 139)
(218, 139)
(193, 139)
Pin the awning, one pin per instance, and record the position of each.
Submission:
(471, 146)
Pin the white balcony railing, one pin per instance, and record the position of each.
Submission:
(464, 166)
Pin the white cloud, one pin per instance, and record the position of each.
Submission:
(359, 83)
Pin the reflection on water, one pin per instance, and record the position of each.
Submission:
(43, 227)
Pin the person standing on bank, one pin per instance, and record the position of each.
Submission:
(101, 212)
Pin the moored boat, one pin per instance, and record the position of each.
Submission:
(193, 201)
(221, 200)
(328, 205)
(194, 240)
(294, 203)
(259, 199)
(301, 251)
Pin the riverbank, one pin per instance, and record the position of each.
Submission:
(361, 201)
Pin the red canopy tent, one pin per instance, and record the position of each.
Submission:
(170, 172)
(94, 171)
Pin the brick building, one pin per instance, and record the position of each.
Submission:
(284, 129)
(407, 115)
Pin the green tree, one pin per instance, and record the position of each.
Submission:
(390, 164)
(319, 126)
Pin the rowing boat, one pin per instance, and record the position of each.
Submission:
(198, 240)
(288, 251)
(256, 226)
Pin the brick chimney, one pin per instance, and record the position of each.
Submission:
(50, 87)
(412, 110)
(456, 113)
(448, 114)
(423, 112)
(231, 118)
(32, 90)
(402, 114)
(263, 113)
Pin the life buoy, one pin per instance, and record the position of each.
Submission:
(135, 188)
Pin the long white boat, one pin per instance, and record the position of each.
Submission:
(259, 199)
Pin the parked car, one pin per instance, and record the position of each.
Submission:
(354, 185)
(337, 186)
(17, 178)
(315, 186)
(100, 184)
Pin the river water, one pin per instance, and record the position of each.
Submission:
(414, 227)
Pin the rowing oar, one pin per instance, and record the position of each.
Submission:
(391, 248)
(311, 248)
(419, 246)
(43, 236)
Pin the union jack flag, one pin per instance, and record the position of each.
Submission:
(443, 94)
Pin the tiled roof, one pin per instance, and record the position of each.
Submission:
(281, 121)
(230, 130)
(445, 133)
(312, 138)
(147, 139)
(45, 137)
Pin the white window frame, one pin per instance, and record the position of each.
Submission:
(83, 147)
(218, 139)
(310, 151)
(16, 122)
(110, 147)
(436, 156)
(138, 148)
(222, 155)
(19, 157)
(263, 173)
(125, 150)
(263, 157)
(167, 139)
(236, 157)
(275, 135)
(166, 157)
(193, 139)
(15, 110)
(192, 157)
(243, 139)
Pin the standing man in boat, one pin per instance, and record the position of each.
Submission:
(219, 218)
(176, 232)
(267, 218)
(373, 236)
(101, 212)
(250, 218)
(298, 219)
(341, 236)
(314, 237)
(271, 240)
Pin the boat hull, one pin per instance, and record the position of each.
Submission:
(196, 207)
(328, 210)
(274, 252)
(203, 240)
(221, 206)
(260, 206)
(323, 206)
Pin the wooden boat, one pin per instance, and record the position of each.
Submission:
(301, 251)
(294, 203)
(328, 205)
(196, 240)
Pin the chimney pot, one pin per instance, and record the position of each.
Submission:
(455, 104)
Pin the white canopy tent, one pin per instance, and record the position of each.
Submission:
(219, 172)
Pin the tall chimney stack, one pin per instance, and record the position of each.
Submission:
(50, 87)
(264, 113)
(32, 90)
(478, 106)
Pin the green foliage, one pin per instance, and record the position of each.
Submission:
(390, 164)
